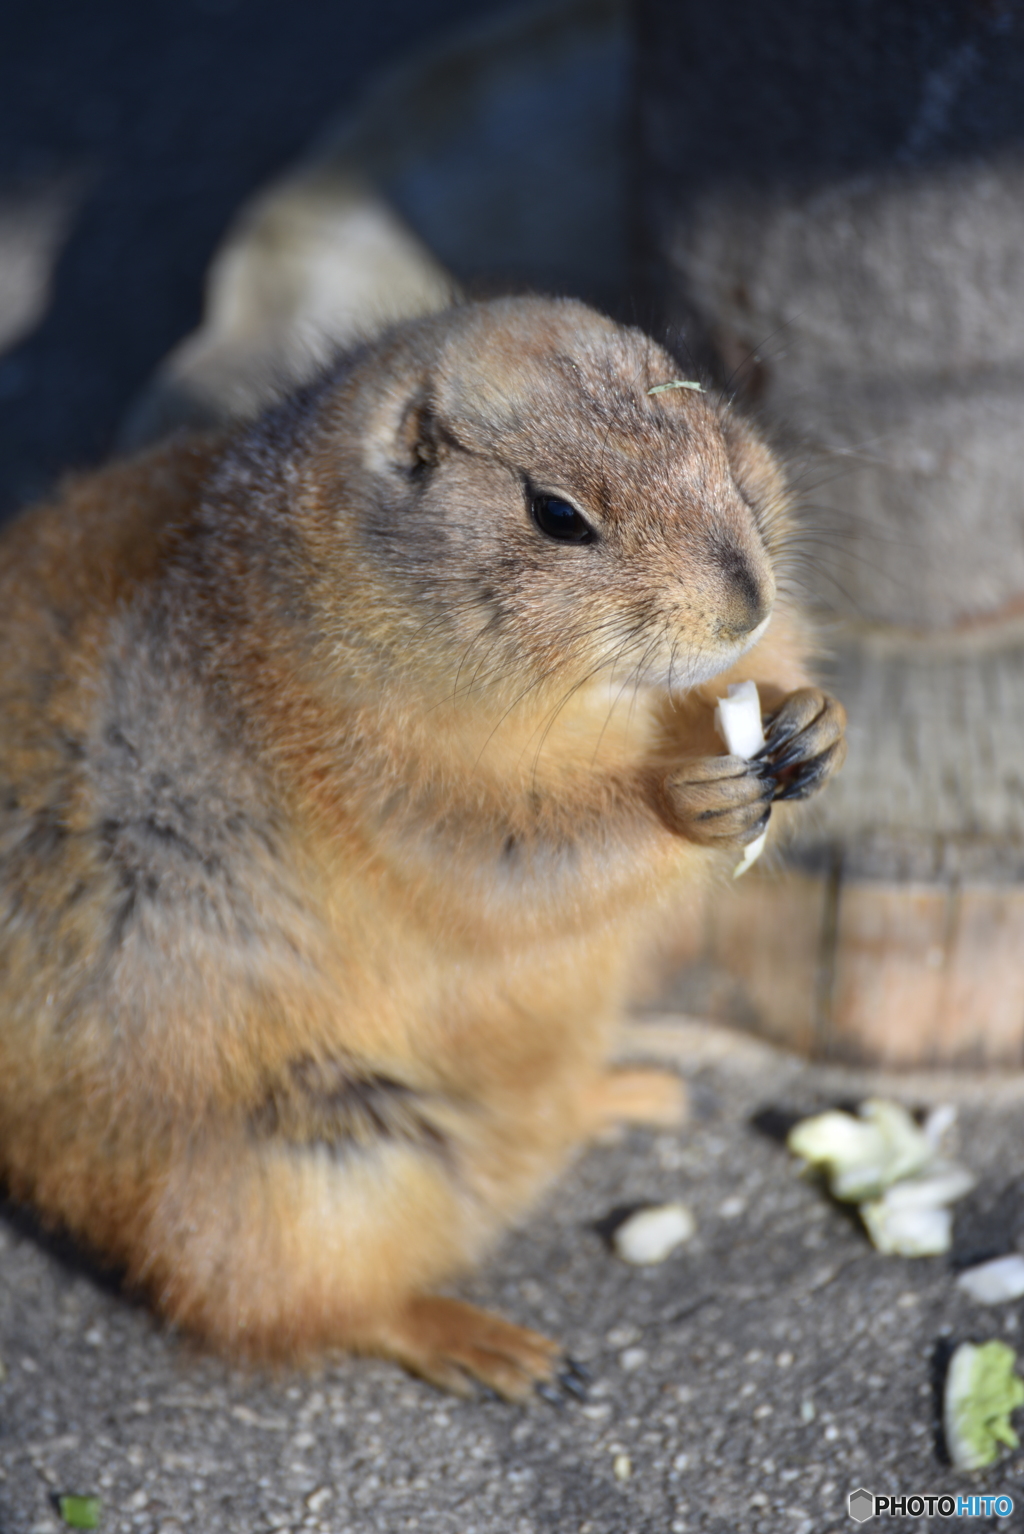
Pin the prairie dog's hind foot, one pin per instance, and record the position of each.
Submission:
(654, 1098)
(450, 1344)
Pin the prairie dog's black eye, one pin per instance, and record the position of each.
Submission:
(558, 519)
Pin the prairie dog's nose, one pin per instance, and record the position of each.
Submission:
(748, 591)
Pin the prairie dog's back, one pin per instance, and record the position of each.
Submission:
(137, 835)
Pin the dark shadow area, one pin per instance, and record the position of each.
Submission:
(943, 1351)
(609, 1223)
(775, 1121)
(795, 92)
(172, 115)
(75, 1258)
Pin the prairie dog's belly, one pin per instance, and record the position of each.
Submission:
(495, 881)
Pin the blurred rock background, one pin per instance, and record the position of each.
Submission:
(129, 136)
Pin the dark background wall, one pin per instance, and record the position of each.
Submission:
(164, 117)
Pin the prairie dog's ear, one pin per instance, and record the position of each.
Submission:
(396, 431)
(419, 440)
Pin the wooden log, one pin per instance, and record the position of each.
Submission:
(774, 948)
(886, 989)
(981, 1021)
(892, 973)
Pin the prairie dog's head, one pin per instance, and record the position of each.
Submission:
(516, 505)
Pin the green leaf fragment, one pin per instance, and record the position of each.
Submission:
(981, 1392)
(80, 1512)
(677, 383)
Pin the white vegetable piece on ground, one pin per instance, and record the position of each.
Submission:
(912, 1217)
(943, 1182)
(995, 1282)
(938, 1122)
(650, 1235)
(738, 722)
(981, 1392)
(862, 1156)
(884, 1162)
(907, 1232)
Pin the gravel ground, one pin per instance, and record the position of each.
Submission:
(749, 1383)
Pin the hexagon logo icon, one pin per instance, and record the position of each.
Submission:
(861, 1504)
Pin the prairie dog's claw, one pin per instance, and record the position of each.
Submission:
(806, 743)
(811, 775)
(570, 1381)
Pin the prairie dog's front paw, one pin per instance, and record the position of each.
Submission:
(805, 742)
(718, 801)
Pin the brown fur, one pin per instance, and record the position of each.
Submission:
(334, 796)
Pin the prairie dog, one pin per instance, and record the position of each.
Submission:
(342, 760)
